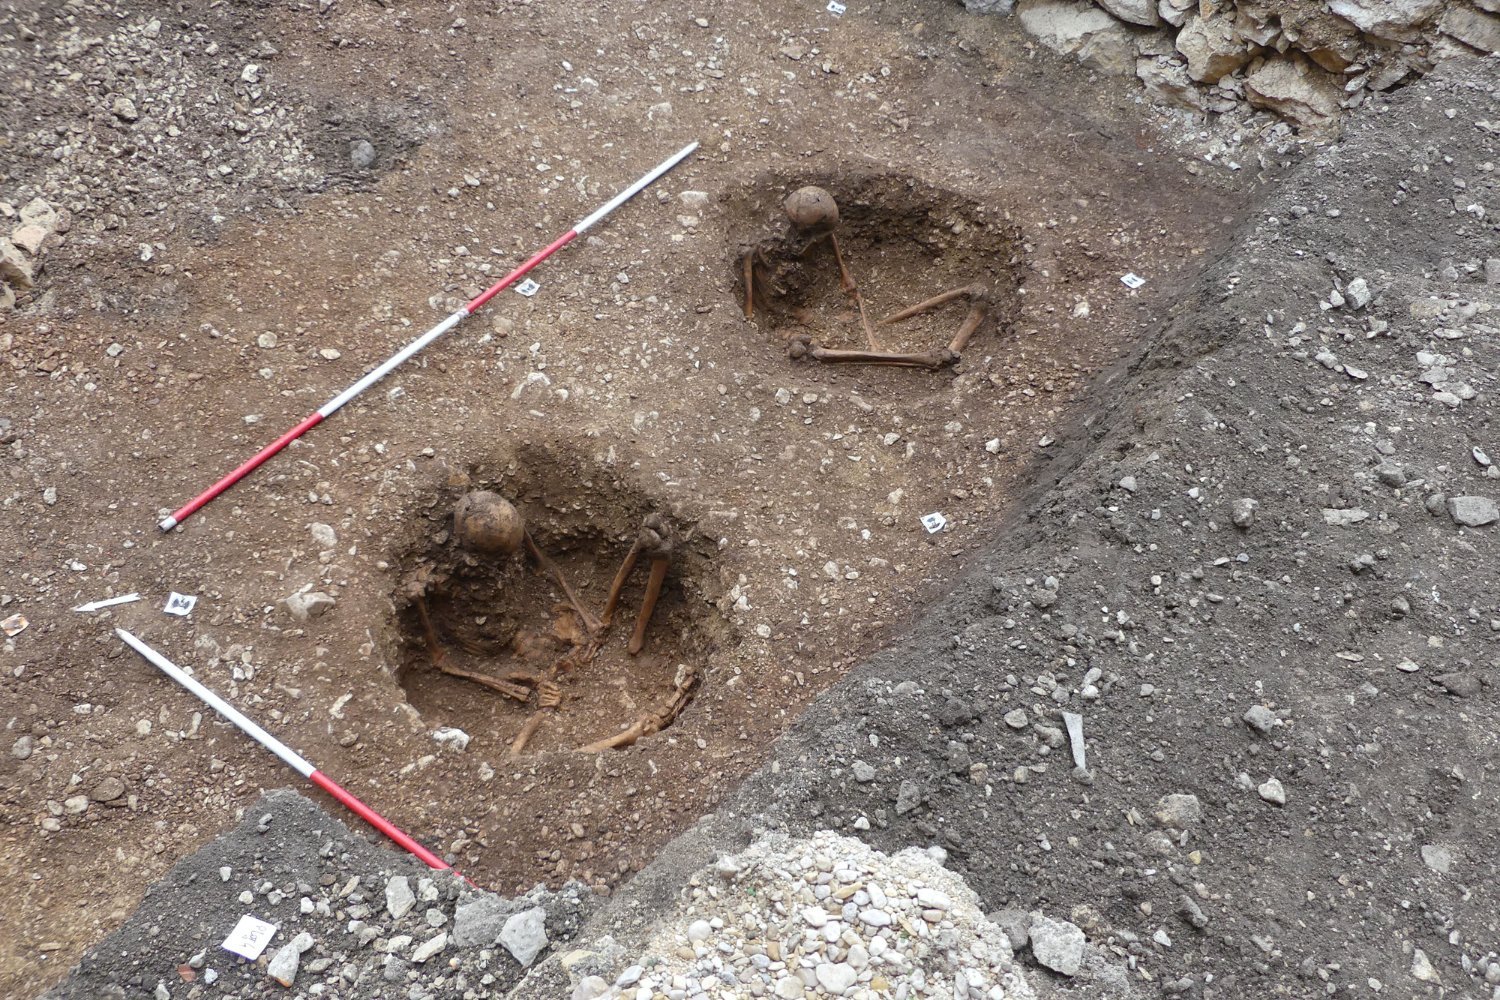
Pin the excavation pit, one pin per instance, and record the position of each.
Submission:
(515, 648)
(902, 241)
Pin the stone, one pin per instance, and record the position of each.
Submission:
(108, 790)
(362, 154)
(908, 797)
(1175, 12)
(37, 212)
(835, 978)
(23, 748)
(590, 988)
(1391, 475)
(1001, 7)
(1212, 48)
(525, 935)
(15, 269)
(1017, 718)
(1016, 924)
(29, 238)
(1438, 858)
(1142, 12)
(1178, 811)
(790, 988)
(1057, 944)
(1260, 718)
(1242, 512)
(1393, 20)
(283, 965)
(1473, 512)
(477, 922)
(125, 110)
(1492, 271)
(1481, 31)
(399, 899)
(1272, 791)
(1357, 293)
(1421, 967)
(863, 773)
(1168, 81)
(429, 948)
(1296, 90)
(314, 604)
(1458, 683)
(323, 535)
(1344, 518)
(1073, 27)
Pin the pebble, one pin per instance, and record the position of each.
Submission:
(362, 154)
(1272, 791)
(1260, 718)
(525, 935)
(399, 899)
(314, 604)
(1178, 811)
(863, 773)
(1473, 512)
(429, 948)
(1057, 944)
(1017, 718)
(1242, 512)
(1344, 518)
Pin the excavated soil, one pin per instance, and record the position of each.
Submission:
(230, 267)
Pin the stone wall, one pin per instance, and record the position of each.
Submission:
(1305, 60)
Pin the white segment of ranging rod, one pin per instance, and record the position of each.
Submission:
(635, 188)
(292, 759)
(395, 361)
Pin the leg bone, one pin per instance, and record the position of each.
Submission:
(648, 606)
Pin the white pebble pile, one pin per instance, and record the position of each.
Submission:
(823, 917)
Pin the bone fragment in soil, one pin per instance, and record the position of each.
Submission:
(684, 684)
(648, 605)
(551, 568)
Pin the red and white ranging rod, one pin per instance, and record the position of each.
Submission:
(290, 757)
(375, 375)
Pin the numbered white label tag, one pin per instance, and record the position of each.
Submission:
(934, 522)
(180, 604)
(1132, 280)
(528, 288)
(836, 9)
(249, 937)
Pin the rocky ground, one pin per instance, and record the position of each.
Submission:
(1206, 708)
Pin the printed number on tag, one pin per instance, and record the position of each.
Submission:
(836, 9)
(528, 288)
(934, 522)
(1132, 280)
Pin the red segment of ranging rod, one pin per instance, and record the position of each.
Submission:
(331, 407)
(288, 756)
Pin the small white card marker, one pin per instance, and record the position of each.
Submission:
(249, 937)
(180, 605)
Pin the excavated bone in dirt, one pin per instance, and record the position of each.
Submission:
(978, 297)
(804, 347)
(685, 682)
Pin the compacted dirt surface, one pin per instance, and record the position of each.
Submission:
(1238, 485)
